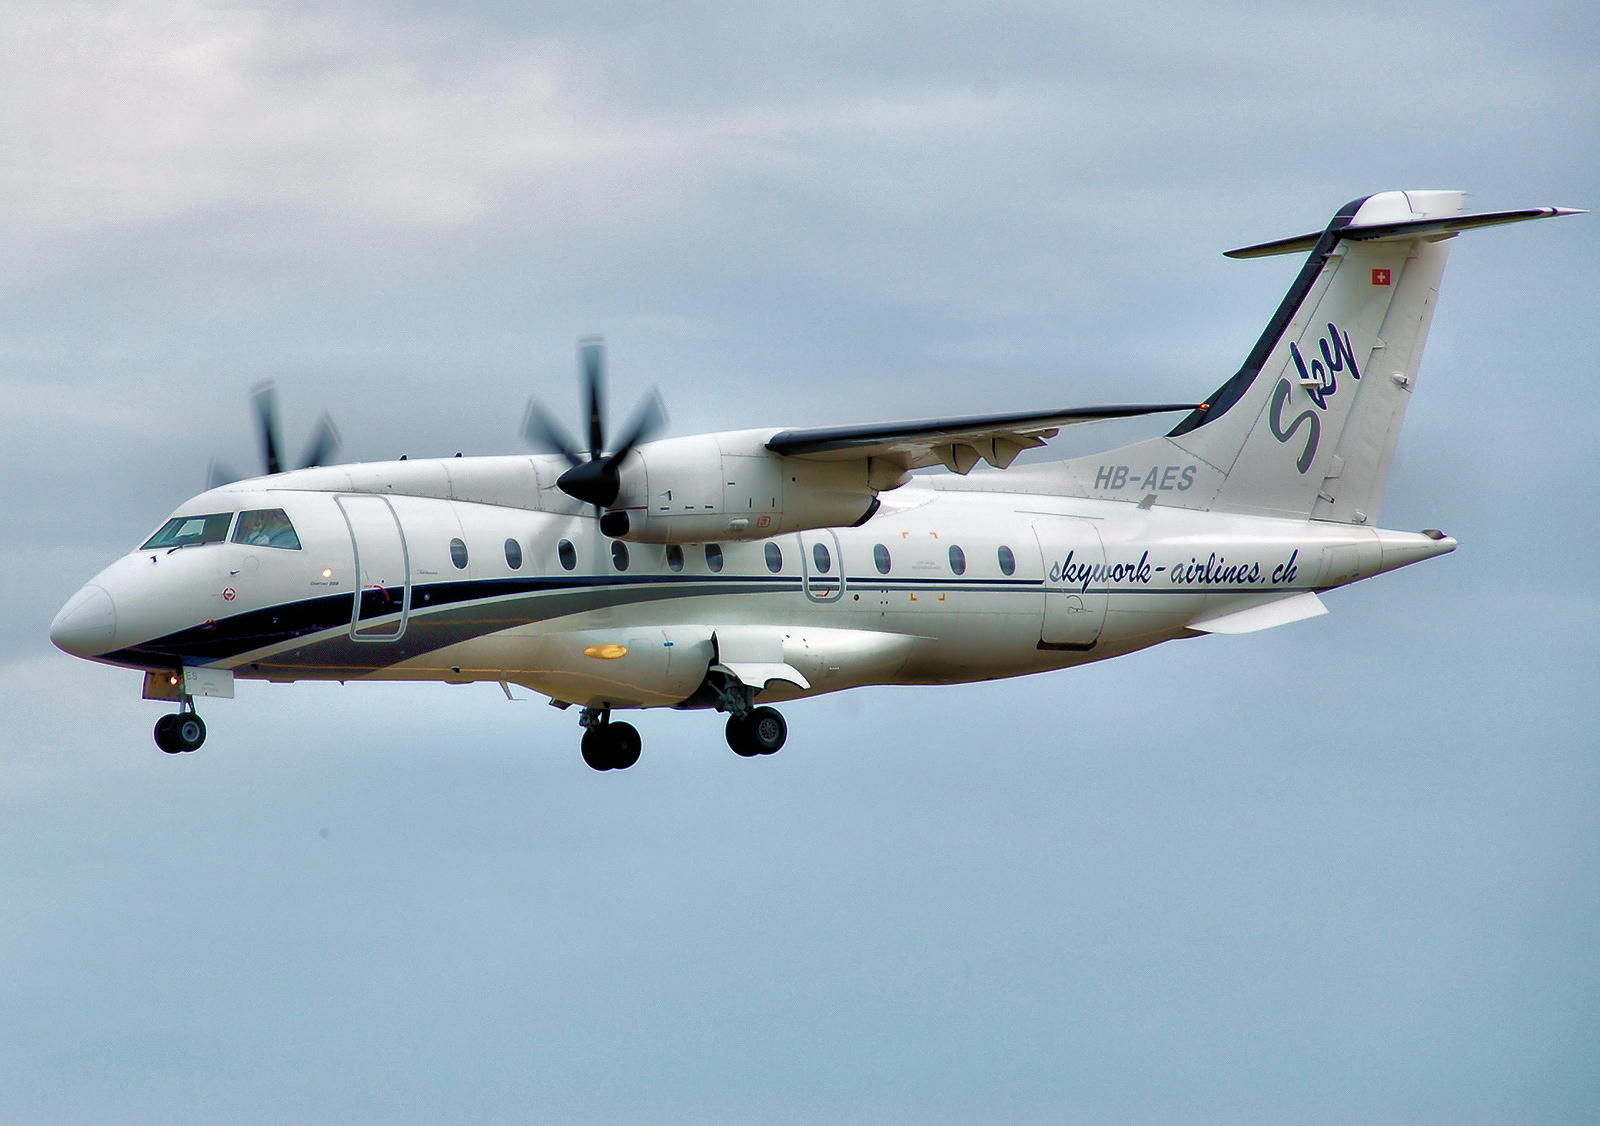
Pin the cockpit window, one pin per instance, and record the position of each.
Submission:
(187, 531)
(266, 527)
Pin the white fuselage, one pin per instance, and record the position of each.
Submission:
(475, 569)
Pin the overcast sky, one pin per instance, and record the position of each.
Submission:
(1345, 870)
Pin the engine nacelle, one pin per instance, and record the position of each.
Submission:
(731, 487)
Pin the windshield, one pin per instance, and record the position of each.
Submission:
(266, 527)
(187, 531)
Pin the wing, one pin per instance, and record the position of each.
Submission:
(956, 443)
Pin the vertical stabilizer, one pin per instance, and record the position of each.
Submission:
(1308, 425)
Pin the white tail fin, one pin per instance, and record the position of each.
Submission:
(1308, 426)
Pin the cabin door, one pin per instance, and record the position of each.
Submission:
(382, 568)
(1075, 592)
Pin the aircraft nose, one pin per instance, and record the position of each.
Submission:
(86, 624)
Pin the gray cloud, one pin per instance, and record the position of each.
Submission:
(1341, 870)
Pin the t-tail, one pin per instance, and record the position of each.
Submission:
(1308, 426)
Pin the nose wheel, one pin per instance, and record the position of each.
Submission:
(607, 745)
(180, 732)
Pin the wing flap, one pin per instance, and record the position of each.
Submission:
(956, 443)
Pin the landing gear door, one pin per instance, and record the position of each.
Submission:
(1075, 593)
(822, 566)
(383, 569)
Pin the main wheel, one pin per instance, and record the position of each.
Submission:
(188, 731)
(625, 744)
(597, 748)
(738, 733)
(164, 738)
(767, 730)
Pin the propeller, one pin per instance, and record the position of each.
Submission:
(320, 450)
(598, 479)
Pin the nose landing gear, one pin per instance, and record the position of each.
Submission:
(181, 731)
(607, 745)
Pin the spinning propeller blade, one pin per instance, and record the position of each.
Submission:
(597, 480)
(324, 443)
(542, 429)
(649, 421)
(265, 397)
(218, 475)
(592, 356)
(320, 450)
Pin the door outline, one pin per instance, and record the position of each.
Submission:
(817, 587)
(1064, 624)
(356, 633)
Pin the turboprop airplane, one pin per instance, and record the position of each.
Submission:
(742, 569)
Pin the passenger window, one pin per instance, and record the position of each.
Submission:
(514, 555)
(189, 531)
(714, 556)
(880, 558)
(819, 554)
(675, 557)
(1008, 562)
(958, 560)
(774, 558)
(266, 527)
(567, 554)
(458, 553)
(619, 555)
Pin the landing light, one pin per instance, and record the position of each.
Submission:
(608, 652)
(327, 572)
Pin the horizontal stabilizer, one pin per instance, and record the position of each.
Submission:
(956, 443)
(1295, 608)
(1404, 229)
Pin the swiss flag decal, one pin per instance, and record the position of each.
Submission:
(1380, 276)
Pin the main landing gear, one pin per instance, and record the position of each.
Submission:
(760, 731)
(614, 745)
(181, 731)
(751, 730)
(607, 745)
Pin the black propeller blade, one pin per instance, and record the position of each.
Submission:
(598, 480)
(592, 355)
(542, 429)
(324, 443)
(320, 450)
(265, 398)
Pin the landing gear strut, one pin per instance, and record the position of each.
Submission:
(181, 731)
(751, 730)
(607, 745)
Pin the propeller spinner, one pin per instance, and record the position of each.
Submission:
(598, 479)
(320, 450)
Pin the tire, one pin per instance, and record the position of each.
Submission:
(596, 748)
(739, 739)
(625, 745)
(188, 732)
(164, 738)
(767, 730)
